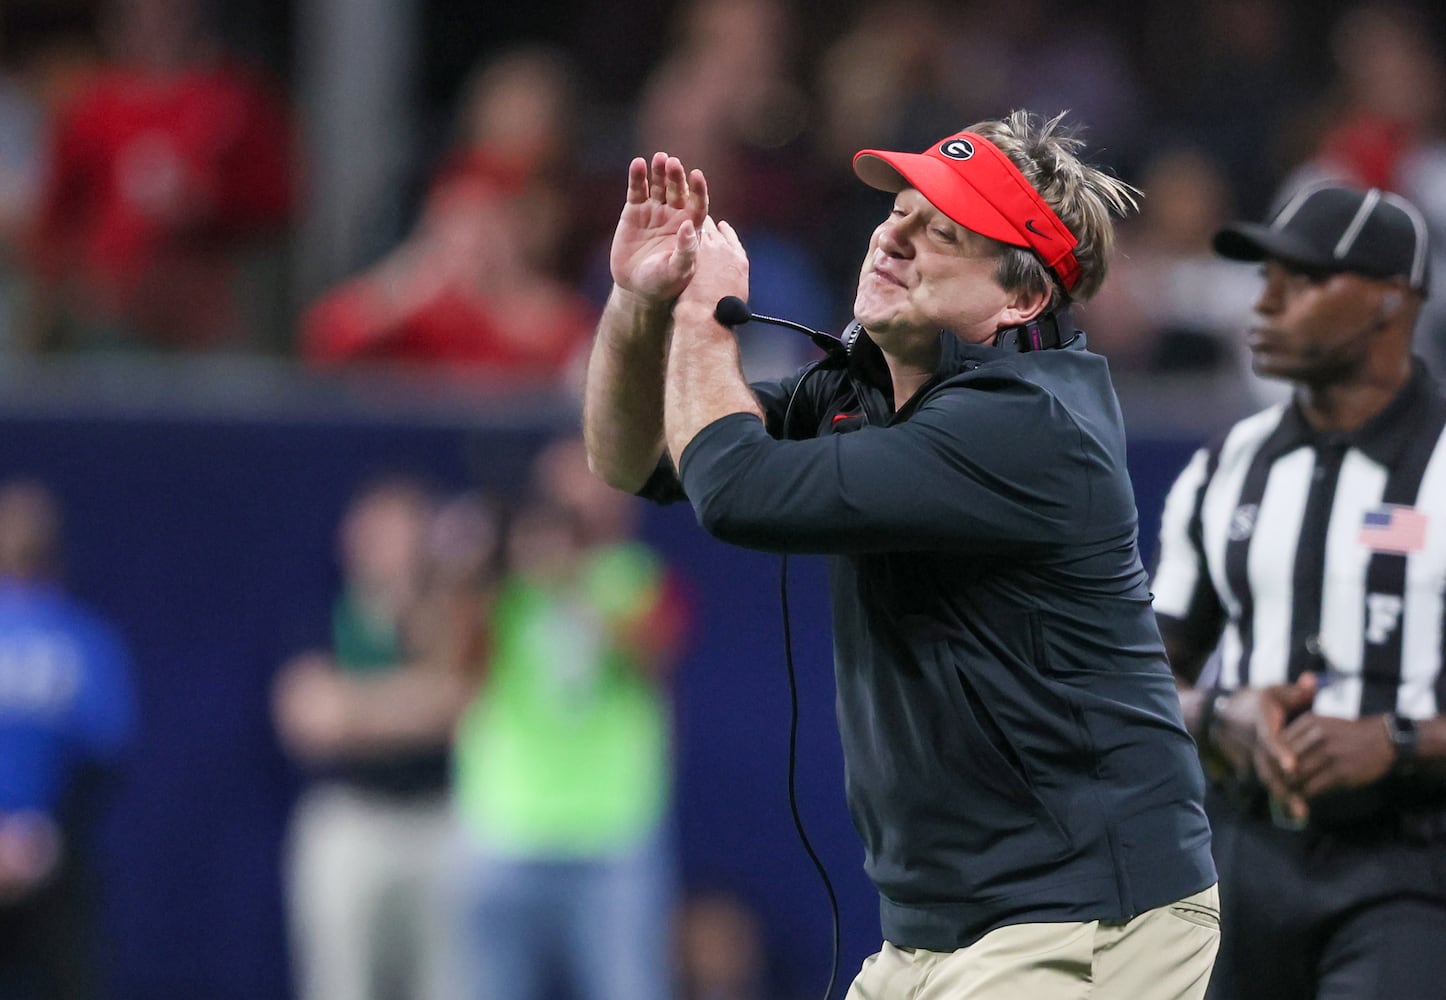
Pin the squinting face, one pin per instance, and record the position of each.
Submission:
(924, 272)
(1312, 328)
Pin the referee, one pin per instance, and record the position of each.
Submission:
(1307, 550)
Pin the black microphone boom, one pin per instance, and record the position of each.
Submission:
(732, 311)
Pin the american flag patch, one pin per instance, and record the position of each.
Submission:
(1393, 528)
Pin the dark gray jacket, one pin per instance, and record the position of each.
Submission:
(1012, 736)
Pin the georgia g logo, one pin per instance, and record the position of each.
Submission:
(957, 149)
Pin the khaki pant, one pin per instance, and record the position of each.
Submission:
(1163, 954)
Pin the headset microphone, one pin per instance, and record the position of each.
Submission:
(732, 311)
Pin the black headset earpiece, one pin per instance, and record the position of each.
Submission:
(1054, 328)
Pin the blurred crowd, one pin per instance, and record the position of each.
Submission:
(482, 729)
(485, 728)
(152, 182)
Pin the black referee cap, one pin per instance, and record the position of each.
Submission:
(1331, 227)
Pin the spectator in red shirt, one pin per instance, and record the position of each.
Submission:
(476, 287)
(460, 292)
(162, 174)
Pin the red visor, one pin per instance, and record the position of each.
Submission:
(968, 179)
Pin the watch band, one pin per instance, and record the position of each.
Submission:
(1214, 701)
(1405, 739)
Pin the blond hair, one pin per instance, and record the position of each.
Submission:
(1084, 197)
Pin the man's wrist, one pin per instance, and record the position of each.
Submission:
(650, 311)
(696, 316)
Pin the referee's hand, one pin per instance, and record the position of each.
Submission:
(1276, 758)
(1337, 754)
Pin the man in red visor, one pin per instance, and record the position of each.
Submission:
(1029, 800)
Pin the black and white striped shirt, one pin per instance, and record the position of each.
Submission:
(1301, 551)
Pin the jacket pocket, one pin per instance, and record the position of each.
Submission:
(996, 755)
(991, 745)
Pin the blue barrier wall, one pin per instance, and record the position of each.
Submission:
(209, 542)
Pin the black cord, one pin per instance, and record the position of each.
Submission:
(793, 770)
(817, 366)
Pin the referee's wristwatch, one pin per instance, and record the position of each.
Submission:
(1406, 740)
